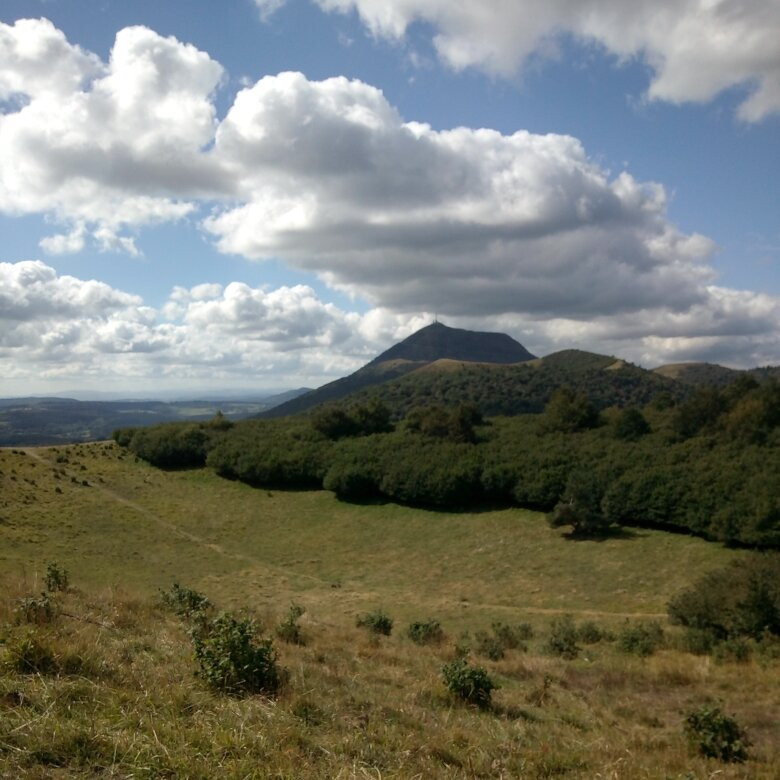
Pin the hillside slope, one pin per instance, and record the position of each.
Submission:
(519, 389)
(429, 344)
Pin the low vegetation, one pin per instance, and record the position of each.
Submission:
(112, 682)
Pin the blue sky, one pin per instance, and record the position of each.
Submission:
(177, 216)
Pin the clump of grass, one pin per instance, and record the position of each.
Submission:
(28, 654)
(425, 632)
(289, 630)
(378, 622)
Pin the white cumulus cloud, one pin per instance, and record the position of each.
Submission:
(694, 48)
(103, 146)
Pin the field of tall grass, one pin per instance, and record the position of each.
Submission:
(104, 679)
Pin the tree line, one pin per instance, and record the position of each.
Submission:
(707, 465)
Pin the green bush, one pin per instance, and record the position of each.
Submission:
(562, 640)
(425, 632)
(590, 633)
(698, 641)
(736, 650)
(715, 735)
(489, 645)
(511, 637)
(184, 601)
(36, 609)
(741, 600)
(232, 660)
(469, 683)
(376, 622)
(56, 577)
(641, 638)
(288, 630)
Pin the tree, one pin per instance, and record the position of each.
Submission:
(631, 425)
(580, 507)
(568, 412)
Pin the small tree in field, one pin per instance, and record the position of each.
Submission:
(580, 507)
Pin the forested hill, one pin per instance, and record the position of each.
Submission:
(527, 387)
(429, 344)
(713, 375)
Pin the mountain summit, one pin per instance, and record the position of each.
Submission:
(438, 342)
(425, 346)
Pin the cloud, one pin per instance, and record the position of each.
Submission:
(103, 146)
(695, 49)
(520, 231)
(458, 221)
(62, 329)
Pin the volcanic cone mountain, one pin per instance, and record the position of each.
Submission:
(427, 345)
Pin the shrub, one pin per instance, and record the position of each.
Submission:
(511, 637)
(56, 577)
(469, 683)
(716, 735)
(641, 638)
(698, 641)
(184, 601)
(742, 599)
(36, 609)
(736, 650)
(425, 632)
(591, 634)
(489, 645)
(376, 622)
(288, 630)
(562, 640)
(232, 660)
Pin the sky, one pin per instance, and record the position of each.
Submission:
(264, 194)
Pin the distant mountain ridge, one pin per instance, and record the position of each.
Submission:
(712, 374)
(425, 346)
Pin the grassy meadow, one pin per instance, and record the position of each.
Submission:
(120, 697)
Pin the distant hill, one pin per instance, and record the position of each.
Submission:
(433, 343)
(525, 387)
(698, 374)
(712, 374)
(36, 421)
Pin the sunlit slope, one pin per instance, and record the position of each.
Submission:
(140, 528)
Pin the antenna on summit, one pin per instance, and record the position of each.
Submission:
(435, 319)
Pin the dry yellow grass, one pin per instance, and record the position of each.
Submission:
(122, 700)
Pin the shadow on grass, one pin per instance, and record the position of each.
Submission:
(616, 532)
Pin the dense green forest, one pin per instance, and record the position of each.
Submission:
(495, 388)
(707, 465)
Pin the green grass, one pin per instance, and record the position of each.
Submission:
(122, 698)
(141, 528)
